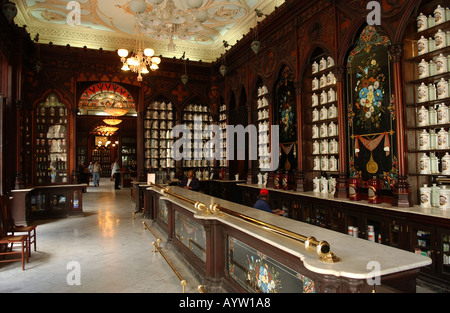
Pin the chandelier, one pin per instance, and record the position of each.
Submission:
(166, 21)
(140, 62)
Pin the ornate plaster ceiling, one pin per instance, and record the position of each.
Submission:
(110, 24)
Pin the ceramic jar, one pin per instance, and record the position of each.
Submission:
(323, 97)
(434, 164)
(442, 114)
(425, 196)
(446, 164)
(332, 166)
(444, 198)
(424, 140)
(422, 45)
(441, 64)
(422, 22)
(316, 184)
(314, 100)
(424, 164)
(440, 40)
(435, 195)
(422, 93)
(432, 116)
(424, 69)
(442, 89)
(330, 62)
(315, 67)
(322, 64)
(442, 139)
(423, 117)
(332, 111)
(331, 95)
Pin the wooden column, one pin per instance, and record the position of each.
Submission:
(299, 175)
(341, 181)
(401, 193)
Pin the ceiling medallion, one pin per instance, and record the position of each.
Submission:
(167, 21)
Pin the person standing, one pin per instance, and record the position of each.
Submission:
(116, 174)
(96, 172)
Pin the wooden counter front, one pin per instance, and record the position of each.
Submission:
(228, 252)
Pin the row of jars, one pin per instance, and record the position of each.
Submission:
(324, 130)
(430, 140)
(198, 163)
(324, 185)
(161, 163)
(324, 113)
(157, 125)
(163, 153)
(160, 105)
(52, 111)
(192, 117)
(325, 163)
(433, 92)
(440, 41)
(161, 115)
(197, 108)
(431, 116)
(430, 164)
(440, 15)
(154, 144)
(322, 65)
(325, 147)
(324, 81)
(435, 196)
(263, 114)
(325, 97)
(439, 65)
(262, 102)
(262, 91)
(264, 163)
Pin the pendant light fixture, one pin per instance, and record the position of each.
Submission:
(223, 68)
(256, 44)
(184, 76)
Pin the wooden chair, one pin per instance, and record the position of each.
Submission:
(6, 247)
(10, 228)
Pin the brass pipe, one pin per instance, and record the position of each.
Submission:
(322, 248)
(157, 248)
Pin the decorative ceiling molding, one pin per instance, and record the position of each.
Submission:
(110, 25)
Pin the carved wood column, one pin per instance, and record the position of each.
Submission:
(341, 181)
(20, 134)
(401, 193)
(300, 181)
(251, 140)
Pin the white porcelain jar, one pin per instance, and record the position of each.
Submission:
(423, 69)
(434, 164)
(425, 196)
(315, 147)
(445, 164)
(315, 131)
(424, 164)
(331, 79)
(422, 93)
(433, 139)
(316, 164)
(444, 198)
(332, 129)
(314, 100)
(424, 140)
(333, 147)
(441, 64)
(442, 139)
(315, 115)
(433, 116)
(315, 83)
(432, 93)
(322, 81)
(435, 195)
(323, 185)
(442, 89)
(422, 22)
(442, 114)
(332, 166)
(332, 111)
(439, 15)
(423, 117)
(323, 113)
(322, 64)
(315, 67)
(331, 95)
(422, 45)
(324, 147)
(323, 132)
(440, 40)
(316, 184)
(330, 62)
(323, 97)
(332, 185)
(431, 21)
(324, 163)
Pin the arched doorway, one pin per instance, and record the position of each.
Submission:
(106, 126)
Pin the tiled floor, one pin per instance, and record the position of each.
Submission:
(112, 251)
(104, 251)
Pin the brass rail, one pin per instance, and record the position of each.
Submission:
(157, 246)
(322, 248)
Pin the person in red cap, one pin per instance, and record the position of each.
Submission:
(263, 205)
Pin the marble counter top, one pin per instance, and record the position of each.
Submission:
(356, 254)
(416, 209)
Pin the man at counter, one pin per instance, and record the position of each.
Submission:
(263, 205)
(191, 182)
